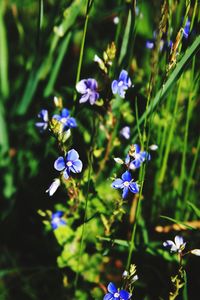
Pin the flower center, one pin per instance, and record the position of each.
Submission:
(64, 120)
(116, 295)
(126, 183)
(69, 163)
(120, 83)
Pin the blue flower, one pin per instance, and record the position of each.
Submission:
(126, 183)
(135, 160)
(186, 29)
(125, 132)
(88, 87)
(57, 220)
(65, 119)
(69, 163)
(43, 115)
(177, 246)
(122, 84)
(116, 294)
(149, 44)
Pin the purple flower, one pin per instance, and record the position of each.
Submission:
(135, 160)
(122, 84)
(69, 163)
(116, 294)
(88, 87)
(57, 220)
(43, 115)
(186, 29)
(65, 119)
(125, 132)
(177, 246)
(126, 183)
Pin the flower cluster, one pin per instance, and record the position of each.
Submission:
(89, 88)
(63, 119)
(133, 161)
(178, 246)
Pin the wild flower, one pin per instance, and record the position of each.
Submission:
(122, 84)
(88, 88)
(186, 29)
(44, 116)
(116, 294)
(125, 132)
(65, 119)
(69, 163)
(53, 187)
(57, 219)
(177, 246)
(126, 183)
(136, 157)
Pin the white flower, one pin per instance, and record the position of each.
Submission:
(177, 246)
(195, 252)
(53, 187)
(153, 147)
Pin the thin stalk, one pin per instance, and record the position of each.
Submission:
(137, 123)
(137, 211)
(191, 173)
(90, 159)
(170, 137)
(183, 162)
(89, 5)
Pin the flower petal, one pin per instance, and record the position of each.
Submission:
(93, 97)
(134, 188)
(66, 173)
(57, 117)
(125, 192)
(108, 297)
(137, 148)
(178, 241)
(43, 114)
(72, 155)
(124, 295)
(71, 122)
(126, 176)
(171, 245)
(123, 75)
(118, 184)
(84, 98)
(77, 166)
(112, 288)
(114, 87)
(81, 86)
(92, 84)
(65, 113)
(59, 164)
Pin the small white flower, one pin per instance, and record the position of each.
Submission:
(195, 252)
(116, 20)
(177, 246)
(53, 187)
(153, 147)
(118, 160)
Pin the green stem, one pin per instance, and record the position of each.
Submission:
(137, 211)
(89, 5)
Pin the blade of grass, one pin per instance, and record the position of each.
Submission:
(162, 93)
(54, 74)
(4, 81)
(40, 70)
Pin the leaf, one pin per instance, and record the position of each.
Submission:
(178, 222)
(194, 208)
(114, 241)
